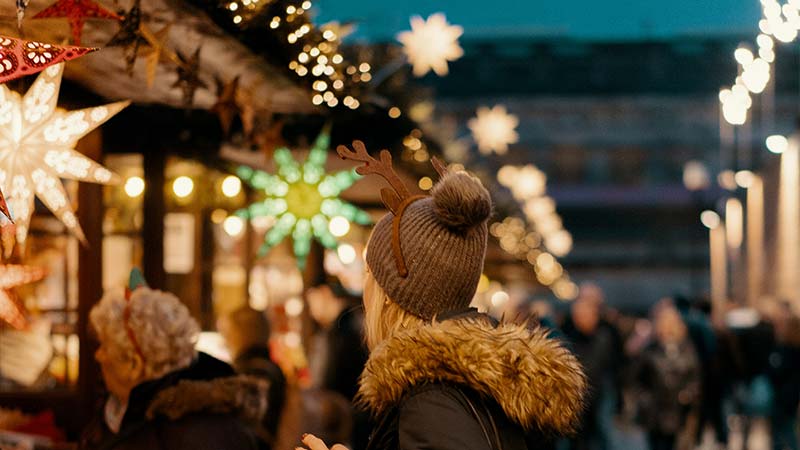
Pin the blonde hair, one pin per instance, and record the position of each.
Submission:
(161, 326)
(382, 316)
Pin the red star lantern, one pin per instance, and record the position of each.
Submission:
(76, 12)
(11, 276)
(19, 57)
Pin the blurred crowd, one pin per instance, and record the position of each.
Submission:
(684, 380)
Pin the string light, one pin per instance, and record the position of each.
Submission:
(183, 186)
(134, 186)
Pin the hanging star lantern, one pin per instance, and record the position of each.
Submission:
(227, 106)
(189, 77)
(303, 199)
(158, 50)
(431, 44)
(22, 6)
(19, 57)
(11, 276)
(130, 35)
(37, 144)
(76, 12)
(494, 129)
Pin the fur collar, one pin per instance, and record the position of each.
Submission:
(243, 396)
(534, 379)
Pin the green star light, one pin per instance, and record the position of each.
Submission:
(302, 198)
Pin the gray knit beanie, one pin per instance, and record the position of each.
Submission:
(442, 239)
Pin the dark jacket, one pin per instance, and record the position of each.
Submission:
(668, 384)
(600, 354)
(347, 353)
(784, 373)
(257, 362)
(202, 407)
(468, 383)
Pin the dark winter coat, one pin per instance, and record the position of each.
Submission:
(469, 383)
(257, 362)
(668, 383)
(202, 407)
(347, 353)
(784, 373)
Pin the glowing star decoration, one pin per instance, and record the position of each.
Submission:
(11, 276)
(303, 199)
(431, 44)
(37, 144)
(19, 57)
(76, 12)
(157, 51)
(494, 129)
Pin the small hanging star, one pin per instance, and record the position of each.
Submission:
(76, 12)
(158, 50)
(271, 139)
(22, 5)
(189, 77)
(494, 129)
(19, 57)
(130, 35)
(431, 44)
(227, 107)
(303, 199)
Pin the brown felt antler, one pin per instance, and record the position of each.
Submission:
(392, 198)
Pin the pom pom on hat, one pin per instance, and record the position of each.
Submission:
(460, 201)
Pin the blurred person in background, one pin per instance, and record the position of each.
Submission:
(713, 385)
(784, 373)
(667, 375)
(246, 333)
(339, 352)
(164, 394)
(598, 346)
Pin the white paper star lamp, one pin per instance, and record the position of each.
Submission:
(37, 148)
(494, 129)
(431, 44)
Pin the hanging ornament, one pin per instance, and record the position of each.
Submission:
(431, 44)
(303, 199)
(494, 129)
(11, 276)
(271, 138)
(158, 50)
(227, 108)
(76, 12)
(19, 57)
(22, 5)
(189, 77)
(129, 35)
(37, 144)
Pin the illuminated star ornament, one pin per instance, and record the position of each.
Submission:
(303, 199)
(11, 276)
(37, 144)
(494, 129)
(76, 12)
(431, 44)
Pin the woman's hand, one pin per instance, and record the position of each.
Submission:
(315, 443)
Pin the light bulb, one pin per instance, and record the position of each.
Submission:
(231, 186)
(183, 186)
(134, 186)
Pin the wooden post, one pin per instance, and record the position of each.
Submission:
(155, 162)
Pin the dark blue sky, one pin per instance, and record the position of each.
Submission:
(380, 20)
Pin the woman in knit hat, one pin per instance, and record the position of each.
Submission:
(440, 375)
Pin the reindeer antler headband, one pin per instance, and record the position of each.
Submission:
(396, 199)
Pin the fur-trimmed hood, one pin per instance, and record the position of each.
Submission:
(536, 381)
(242, 396)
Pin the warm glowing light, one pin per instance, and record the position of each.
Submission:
(339, 226)
(431, 44)
(734, 220)
(231, 186)
(743, 55)
(134, 186)
(37, 144)
(183, 186)
(494, 129)
(218, 216)
(727, 180)
(394, 112)
(710, 219)
(777, 143)
(744, 178)
(346, 253)
(293, 307)
(499, 299)
(695, 176)
(425, 183)
(233, 226)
